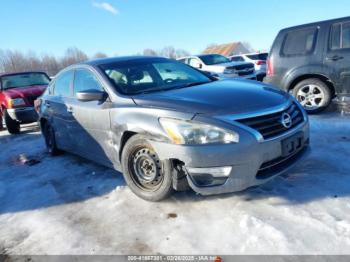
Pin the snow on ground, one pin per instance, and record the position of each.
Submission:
(66, 205)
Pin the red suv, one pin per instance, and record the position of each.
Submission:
(18, 92)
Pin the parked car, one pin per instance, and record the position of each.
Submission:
(221, 66)
(258, 59)
(17, 94)
(166, 125)
(312, 61)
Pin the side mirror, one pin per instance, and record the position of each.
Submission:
(91, 95)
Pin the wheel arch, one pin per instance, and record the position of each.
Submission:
(125, 137)
(321, 77)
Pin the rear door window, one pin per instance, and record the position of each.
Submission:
(340, 36)
(346, 35)
(262, 56)
(237, 59)
(300, 42)
(63, 84)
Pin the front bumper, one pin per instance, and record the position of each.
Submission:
(23, 115)
(249, 160)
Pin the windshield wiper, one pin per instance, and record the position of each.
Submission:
(171, 88)
(41, 84)
(196, 84)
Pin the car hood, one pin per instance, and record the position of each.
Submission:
(218, 97)
(21, 92)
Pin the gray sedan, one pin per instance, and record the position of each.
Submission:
(168, 126)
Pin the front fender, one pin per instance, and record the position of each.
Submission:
(144, 121)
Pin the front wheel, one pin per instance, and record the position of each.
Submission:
(313, 94)
(146, 175)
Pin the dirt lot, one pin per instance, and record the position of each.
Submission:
(66, 205)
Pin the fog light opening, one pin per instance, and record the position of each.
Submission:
(213, 171)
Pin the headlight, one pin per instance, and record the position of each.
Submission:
(230, 71)
(17, 102)
(192, 133)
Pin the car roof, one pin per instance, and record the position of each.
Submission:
(111, 60)
(317, 23)
(20, 73)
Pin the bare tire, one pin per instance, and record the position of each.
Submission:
(147, 176)
(50, 139)
(13, 126)
(313, 94)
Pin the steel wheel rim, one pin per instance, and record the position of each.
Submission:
(311, 97)
(146, 169)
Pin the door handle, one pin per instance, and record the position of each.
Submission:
(47, 104)
(70, 109)
(334, 58)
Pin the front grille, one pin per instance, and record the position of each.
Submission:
(277, 165)
(270, 126)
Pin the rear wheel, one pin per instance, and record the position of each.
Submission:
(13, 126)
(313, 94)
(50, 139)
(146, 175)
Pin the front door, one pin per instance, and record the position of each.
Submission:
(338, 55)
(92, 120)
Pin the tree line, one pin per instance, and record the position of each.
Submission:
(17, 61)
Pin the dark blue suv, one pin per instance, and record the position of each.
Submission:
(312, 62)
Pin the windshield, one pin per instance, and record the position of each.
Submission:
(214, 59)
(138, 77)
(24, 80)
(262, 56)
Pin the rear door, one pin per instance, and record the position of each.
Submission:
(57, 105)
(292, 50)
(91, 126)
(338, 55)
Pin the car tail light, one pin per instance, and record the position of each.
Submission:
(260, 62)
(270, 69)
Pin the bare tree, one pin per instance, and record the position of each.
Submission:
(168, 51)
(16, 61)
(99, 55)
(50, 64)
(181, 53)
(149, 52)
(72, 56)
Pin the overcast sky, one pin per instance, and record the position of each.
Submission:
(126, 27)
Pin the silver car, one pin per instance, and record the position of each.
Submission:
(168, 126)
(220, 66)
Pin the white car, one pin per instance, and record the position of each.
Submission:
(220, 66)
(258, 59)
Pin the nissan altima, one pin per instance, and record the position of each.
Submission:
(167, 126)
